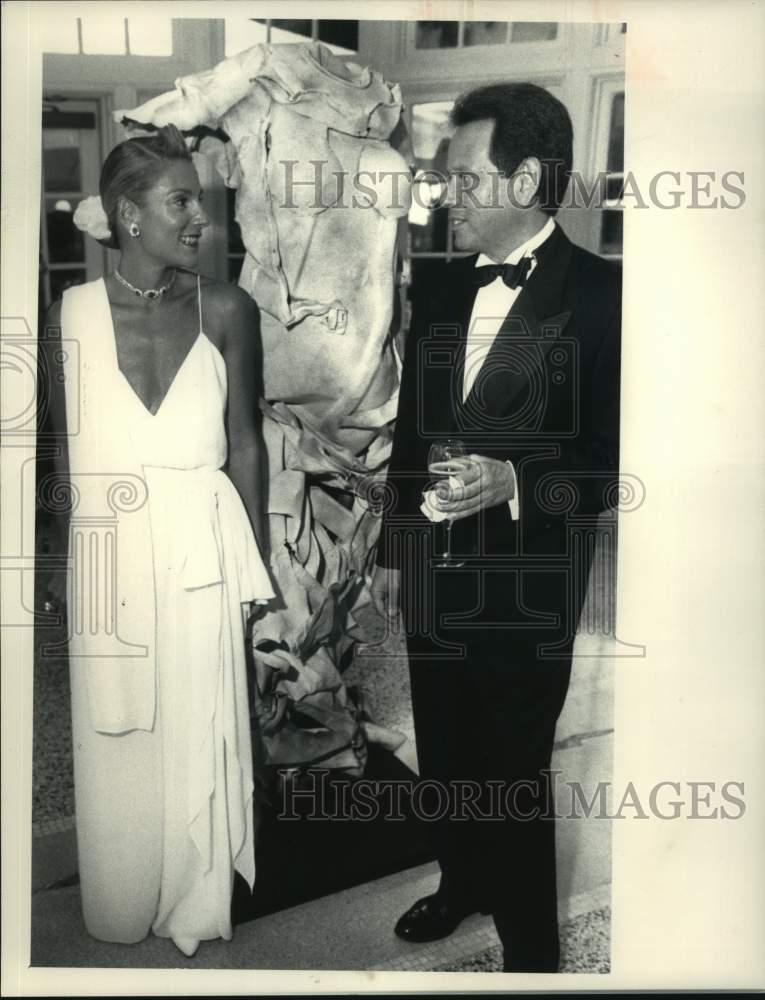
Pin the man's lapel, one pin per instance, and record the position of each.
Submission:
(515, 361)
(456, 307)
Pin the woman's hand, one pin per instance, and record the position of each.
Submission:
(56, 591)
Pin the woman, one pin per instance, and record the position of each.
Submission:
(161, 375)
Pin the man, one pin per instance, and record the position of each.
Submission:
(521, 363)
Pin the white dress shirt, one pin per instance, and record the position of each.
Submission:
(492, 304)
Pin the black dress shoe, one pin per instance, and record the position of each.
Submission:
(430, 919)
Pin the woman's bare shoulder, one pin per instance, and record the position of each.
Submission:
(225, 296)
(228, 311)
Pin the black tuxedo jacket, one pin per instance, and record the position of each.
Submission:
(546, 398)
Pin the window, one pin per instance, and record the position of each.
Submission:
(70, 167)
(534, 31)
(149, 35)
(342, 37)
(429, 233)
(609, 34)
(428, 239)
(462, 34)
(102, 33)
(486, 33)
(612, 222)
(437, 34)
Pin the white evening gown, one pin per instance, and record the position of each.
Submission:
(163, 559)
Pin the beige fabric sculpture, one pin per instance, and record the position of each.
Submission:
(304, 139)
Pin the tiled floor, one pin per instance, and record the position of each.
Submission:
(351, 930)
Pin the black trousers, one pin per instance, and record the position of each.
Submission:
(485, 722)
(485, 725)
(485, 728)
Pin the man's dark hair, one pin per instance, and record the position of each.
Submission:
(528, 121)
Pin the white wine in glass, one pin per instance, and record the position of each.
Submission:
(441, 463)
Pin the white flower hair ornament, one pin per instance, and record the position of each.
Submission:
(90, 218)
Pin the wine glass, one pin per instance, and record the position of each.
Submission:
(441, 463)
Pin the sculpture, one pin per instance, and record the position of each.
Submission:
(304, 139)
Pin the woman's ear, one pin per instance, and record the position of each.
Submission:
(127, 211)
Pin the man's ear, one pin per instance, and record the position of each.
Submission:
(528, 177)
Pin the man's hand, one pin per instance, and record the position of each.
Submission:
(486, 482)
(384, 589)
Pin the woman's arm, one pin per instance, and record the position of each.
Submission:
(239, 323)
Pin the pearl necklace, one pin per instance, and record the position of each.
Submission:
(150, 293)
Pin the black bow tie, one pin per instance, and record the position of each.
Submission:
(513, 275)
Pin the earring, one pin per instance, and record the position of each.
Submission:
(134, 230)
